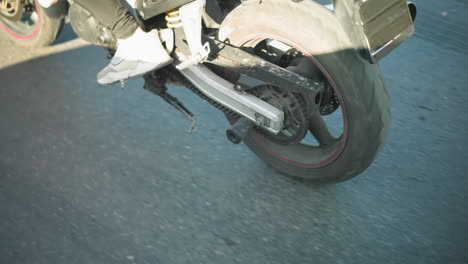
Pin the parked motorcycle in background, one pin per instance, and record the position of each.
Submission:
(298, 81)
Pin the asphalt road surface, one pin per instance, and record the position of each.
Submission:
(92, 174)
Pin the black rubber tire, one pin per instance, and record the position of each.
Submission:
(360, 84)
(47, 33)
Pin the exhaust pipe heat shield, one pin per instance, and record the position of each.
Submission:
(383, 24)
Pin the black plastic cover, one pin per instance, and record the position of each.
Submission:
(87, 27)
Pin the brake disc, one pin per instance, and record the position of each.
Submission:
(296, 120)
(329, 101)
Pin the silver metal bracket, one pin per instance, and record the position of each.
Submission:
(191, 16)
(195, 58)
(253, 108)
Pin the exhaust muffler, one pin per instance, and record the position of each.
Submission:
(413, 10)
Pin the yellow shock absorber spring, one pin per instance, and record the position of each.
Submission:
(173, 19)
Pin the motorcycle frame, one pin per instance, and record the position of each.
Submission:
(258, 72)
(193, 50)
(253, 72)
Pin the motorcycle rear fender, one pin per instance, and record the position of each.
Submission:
(376, 26)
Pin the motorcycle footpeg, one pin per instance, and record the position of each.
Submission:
(195, 59)
(239, 131)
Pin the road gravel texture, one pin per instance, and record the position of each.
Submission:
(92, 174)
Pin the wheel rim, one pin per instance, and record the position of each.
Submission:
(305, 154)
(24, 24)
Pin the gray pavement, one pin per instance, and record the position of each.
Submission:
(92, 174)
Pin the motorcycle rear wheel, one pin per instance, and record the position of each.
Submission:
(30, 28)
(358, 85)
